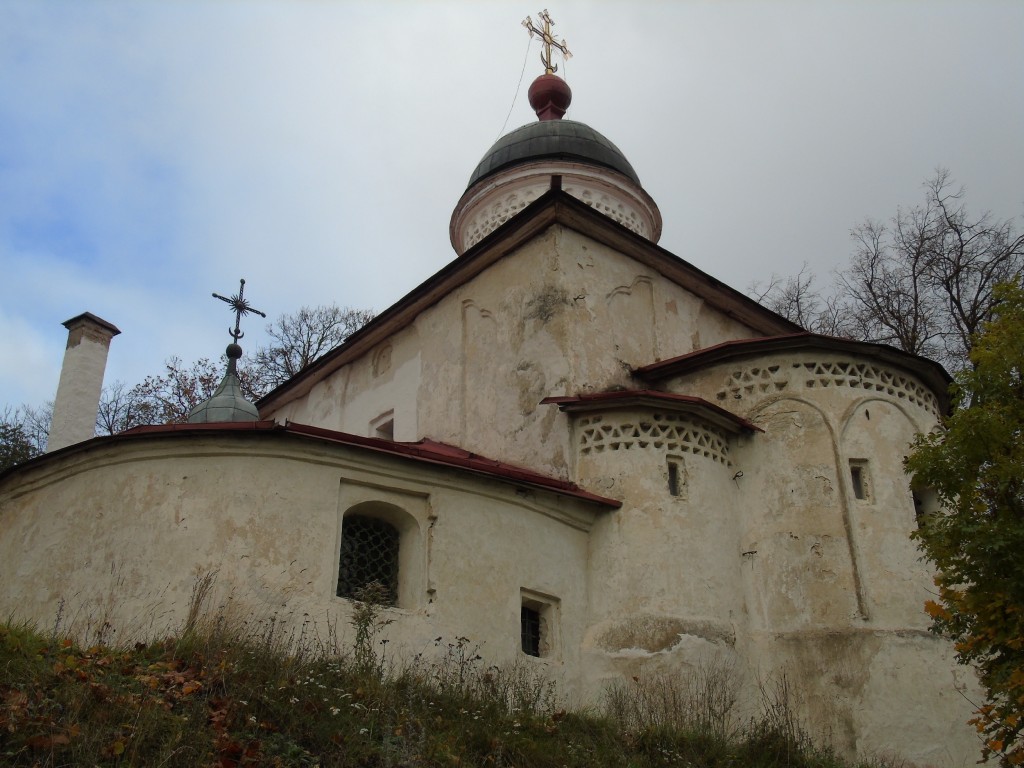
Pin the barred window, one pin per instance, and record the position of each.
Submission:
(529, 624)
(538, 624)
(369, 554)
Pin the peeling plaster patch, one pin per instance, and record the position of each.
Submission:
(844, 662)
(654, 634)
(531, 384)
(546, 304)
(784, 420)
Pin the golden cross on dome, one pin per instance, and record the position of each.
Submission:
(548, 41)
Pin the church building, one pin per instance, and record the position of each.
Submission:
(568, 445)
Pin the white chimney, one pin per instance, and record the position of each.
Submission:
(81, 380)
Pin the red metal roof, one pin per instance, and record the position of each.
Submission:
(928, 371)
(649, 397)
(426, 450)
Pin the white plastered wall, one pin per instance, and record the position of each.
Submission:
(834, 587)
(562, 314)
(121, 533)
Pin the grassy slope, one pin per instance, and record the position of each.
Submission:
(212, 698)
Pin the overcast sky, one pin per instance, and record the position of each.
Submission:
(151, 153)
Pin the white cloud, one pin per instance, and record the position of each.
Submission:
(153, 153)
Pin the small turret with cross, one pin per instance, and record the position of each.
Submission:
(228, 404)
(241, 307)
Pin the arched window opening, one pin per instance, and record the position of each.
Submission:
(369, 555)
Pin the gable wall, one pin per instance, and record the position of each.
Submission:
(562, 314)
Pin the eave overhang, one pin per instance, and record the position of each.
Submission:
(554, 207)
(930, 373)
(696, 407)
(422, 451)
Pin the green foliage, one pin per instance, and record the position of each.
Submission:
(977, 469)
(368, 622)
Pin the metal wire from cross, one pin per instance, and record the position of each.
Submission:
(241, 307)
(548, 41)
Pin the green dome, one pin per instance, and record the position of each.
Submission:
(228, 403)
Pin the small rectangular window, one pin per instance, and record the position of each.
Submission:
(673, 478)
(538, 624)
(859, 478)
(676, 474)
(529, 620)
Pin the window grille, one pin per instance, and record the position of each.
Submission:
(369, 554)
(538, 624)
(530, 626)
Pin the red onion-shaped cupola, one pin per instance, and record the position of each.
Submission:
(550, 97)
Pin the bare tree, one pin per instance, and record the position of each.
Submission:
(969, 259)
(23, 433)
(120, 409)
(168, 397)
(924, 282)
(797, 300)
(301, 338)
(885, 292)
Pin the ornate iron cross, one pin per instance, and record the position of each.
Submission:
(241, 307)
(548, 41)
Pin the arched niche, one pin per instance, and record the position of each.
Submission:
(874, 439)
(367, 525)
(800, 565)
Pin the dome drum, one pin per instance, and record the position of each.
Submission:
(493, 200)
(518, 168)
